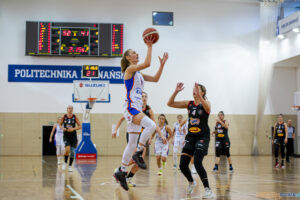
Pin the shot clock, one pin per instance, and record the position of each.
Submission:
(73, 39)
(90, 71)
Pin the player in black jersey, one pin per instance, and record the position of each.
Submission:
(222, 142)
(280, 139)
(68, 122)
(198, 136)
(147, 110)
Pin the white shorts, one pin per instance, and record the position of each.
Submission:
(128, 112)
(161, 149)
(59, 140)
(179, 142)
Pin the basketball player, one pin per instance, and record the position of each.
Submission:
(290, 143)
(198, 136)
(59, 142)
(161, 148)
(68, 122)
(179, 135)
(147, 110)
(222, 142)
(134, 83)
(280, 139)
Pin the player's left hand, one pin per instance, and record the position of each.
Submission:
(196, 90)
(285, 140)
(164, 59)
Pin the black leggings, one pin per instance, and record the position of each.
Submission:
(184, 167)
(280, 146)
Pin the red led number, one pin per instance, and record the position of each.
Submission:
(88, 73)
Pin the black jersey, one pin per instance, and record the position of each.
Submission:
(221, 131)
(280, 130)
(69, 122)
(198, 119)
(146, 111)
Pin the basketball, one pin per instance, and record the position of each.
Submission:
(151, 32)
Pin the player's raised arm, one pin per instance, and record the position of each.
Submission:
(177, 104)
(156, 77)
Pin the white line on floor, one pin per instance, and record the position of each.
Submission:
(77, 196)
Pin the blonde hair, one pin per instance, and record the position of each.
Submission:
(124, 62)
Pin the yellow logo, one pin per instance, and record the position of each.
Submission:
(194, 130)
(280, 134)
(220, 135)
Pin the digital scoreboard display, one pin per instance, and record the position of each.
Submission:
(90, 71)
(73, 39)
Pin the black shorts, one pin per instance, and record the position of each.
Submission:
(193, 142)
(222, 143)
(279, 141)
(70, 139)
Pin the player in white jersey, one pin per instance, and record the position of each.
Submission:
(179, 131)
(161, 149)
(59, 141)
(136, 119)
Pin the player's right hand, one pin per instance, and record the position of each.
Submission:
(149, 142)
(50, 140)
(114, 134)
(149, 41)
(179, 87)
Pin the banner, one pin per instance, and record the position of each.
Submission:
(289, 23)
(60, 73)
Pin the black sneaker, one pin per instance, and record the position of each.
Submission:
(138, 159)
(121, 177)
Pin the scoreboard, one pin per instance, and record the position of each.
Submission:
(73, 39)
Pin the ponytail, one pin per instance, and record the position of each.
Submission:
(124, 62)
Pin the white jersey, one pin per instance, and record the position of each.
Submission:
(164, 133)
(134, 90)
(59, 131)
(179, 132)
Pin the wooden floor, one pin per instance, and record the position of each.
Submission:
(40, 178)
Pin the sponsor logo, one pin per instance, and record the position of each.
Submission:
(194, 121)
(220, 135)
(194, 130)
(86, 134)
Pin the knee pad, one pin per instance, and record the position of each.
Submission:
(184, 162)
(227, 152)
(72, 154)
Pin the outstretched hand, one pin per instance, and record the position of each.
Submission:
(196, 90)
(179, 87)
(164, 59)
(149, 40)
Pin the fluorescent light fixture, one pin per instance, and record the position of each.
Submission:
(296, 30)
(154, 13)
(280, 36)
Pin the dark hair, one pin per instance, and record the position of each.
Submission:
(203, 89)
(221, 112)
(280, 115)
(124, 62)
(162, 115)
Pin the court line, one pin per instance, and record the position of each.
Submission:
(77, 196)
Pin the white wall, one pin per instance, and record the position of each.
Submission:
(212, 42)
(281, 96)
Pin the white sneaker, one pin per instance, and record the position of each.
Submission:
(59, 162)
(63, 167)
(191, 187)
(208, 194)
(194, 170)
(70, 169)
